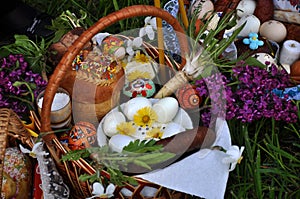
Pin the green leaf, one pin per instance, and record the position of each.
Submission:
(141, 163)
(138, 146)
(155, 158)
(76, 155)
(254, 62)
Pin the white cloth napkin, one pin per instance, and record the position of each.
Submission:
(201, 174)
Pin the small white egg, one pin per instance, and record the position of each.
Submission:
(135, 104)
(205, 7)
(273, 30)
(252, 25)
(246, 7)
(118, 142)
(110, 122)
(166, 109)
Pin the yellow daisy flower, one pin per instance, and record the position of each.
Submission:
(126, 128)
(145, 116)
(139, 57)
(154, 133)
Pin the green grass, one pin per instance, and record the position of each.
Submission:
(271, 164)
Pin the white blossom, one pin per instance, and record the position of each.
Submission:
(133, 44)
(148, 29)
(98, 191)
(234, 156)
(35, 150)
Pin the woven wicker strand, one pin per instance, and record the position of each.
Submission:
(70, 170)
(11, 127)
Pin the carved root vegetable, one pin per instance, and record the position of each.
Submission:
(195, 65)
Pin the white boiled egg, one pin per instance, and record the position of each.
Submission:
(110, 122)
(166, 109)
(135, 104)
(118, 142)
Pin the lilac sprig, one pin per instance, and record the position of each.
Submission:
(248, 96)
(19, 86)
(214, 90)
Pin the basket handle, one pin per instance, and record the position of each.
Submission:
(65, 63)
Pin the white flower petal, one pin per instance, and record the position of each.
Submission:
(42, 153)
(24, 150)
(232, 166)
(234, 155)
(36, 146)
(142, 32)
(110, 189)
(227, 160)
(137, 42)
(153, 23)
(129, 50)
(98, 189)
(147, 20)
(129, 42)
(150, 32)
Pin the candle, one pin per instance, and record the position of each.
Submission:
(290, 52)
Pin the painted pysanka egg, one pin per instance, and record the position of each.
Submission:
(82, 135)
(188, 98)
(114, 46)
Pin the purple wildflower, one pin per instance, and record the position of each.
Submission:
(14, 69)
(248, 95)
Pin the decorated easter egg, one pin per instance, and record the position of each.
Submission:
(113, 46)
(188, 98)
(252, 25)
(273, 30)
(295, 71)
(204, 8)
(246, 7)
(142, 87)
(295, 68)
(82, 135)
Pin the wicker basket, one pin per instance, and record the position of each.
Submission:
(11, 130)
(71, 170)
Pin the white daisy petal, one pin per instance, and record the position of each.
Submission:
(98, 189)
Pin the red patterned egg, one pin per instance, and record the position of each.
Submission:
(188, 97)
(82, 135)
